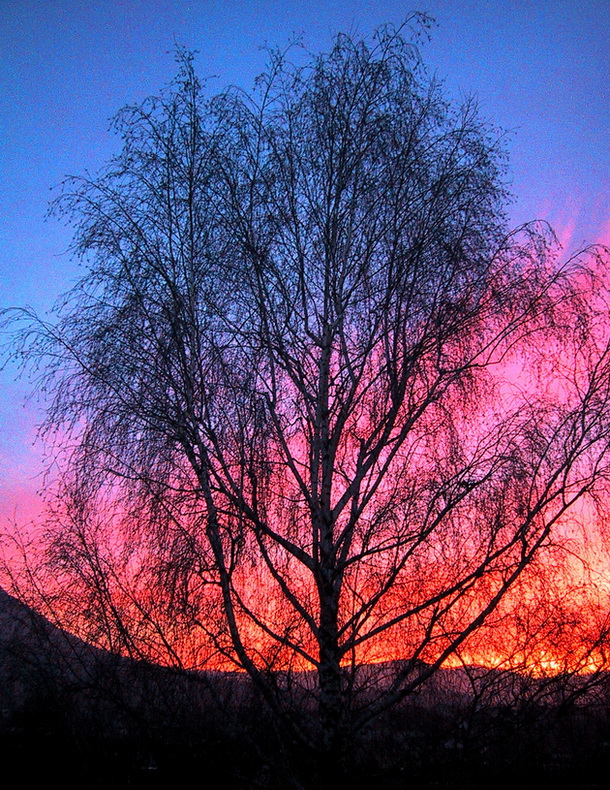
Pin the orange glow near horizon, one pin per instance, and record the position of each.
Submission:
(553, 620)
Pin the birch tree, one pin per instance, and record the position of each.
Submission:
(318, 406)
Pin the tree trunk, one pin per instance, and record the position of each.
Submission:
(332, 754)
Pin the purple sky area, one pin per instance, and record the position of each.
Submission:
(539, 69)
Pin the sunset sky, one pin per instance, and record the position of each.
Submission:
(540, 71)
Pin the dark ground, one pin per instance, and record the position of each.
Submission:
(87, 719)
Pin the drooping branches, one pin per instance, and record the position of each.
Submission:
(330, 407)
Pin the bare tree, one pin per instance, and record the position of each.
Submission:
(317, 406)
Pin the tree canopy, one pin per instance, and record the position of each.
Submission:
(318, 406)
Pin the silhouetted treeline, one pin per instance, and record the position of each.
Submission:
(92, 719)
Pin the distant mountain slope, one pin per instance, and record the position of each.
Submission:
(39, 661)
(89, 718)
(28, 632)
(47, 673)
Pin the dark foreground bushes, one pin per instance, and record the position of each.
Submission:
(148, 728)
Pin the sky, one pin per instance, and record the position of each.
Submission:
(539, 70)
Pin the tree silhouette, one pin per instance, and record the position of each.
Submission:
(317, 406)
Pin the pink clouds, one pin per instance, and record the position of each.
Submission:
(577, 219)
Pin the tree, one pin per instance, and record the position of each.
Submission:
(317, 406)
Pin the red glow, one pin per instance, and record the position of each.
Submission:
(553, 620)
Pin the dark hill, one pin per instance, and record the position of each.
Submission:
(89, 718)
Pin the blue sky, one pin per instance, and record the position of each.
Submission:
(540, 70)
